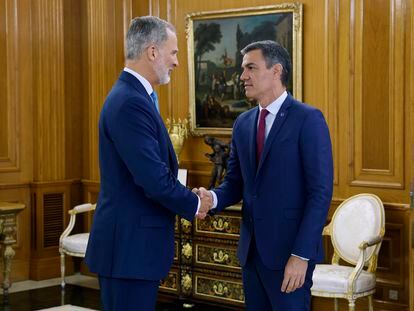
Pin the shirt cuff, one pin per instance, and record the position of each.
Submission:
(214, 199)
(303, 258)
(198, 205)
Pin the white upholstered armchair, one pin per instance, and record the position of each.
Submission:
(73, 245)
(356, 230)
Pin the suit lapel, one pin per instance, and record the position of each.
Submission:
(136, 84)
(277, 124)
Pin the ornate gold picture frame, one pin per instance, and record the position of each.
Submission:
(214, 41)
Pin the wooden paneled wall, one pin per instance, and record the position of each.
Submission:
(358, 69)
(16, 121)
(59, 59)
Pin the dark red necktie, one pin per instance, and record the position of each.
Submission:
(260, 139)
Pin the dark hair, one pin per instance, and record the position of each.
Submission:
(273, 53)
(144, 31)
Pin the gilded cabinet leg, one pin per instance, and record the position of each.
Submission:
(8, 255)
(9, 228)
(8, 212)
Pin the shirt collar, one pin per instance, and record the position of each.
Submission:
(141, 79)
(274, 107)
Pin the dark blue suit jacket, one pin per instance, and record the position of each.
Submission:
(286, 199)
(132, 234)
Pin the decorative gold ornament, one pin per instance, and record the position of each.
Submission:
(186, 226)
(220, 289)
(220, 224)
(178, 132)
(186, 282)
(187, 250)
(221, 257)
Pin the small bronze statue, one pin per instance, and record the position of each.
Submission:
(219, 157)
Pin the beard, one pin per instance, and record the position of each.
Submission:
(162, 72)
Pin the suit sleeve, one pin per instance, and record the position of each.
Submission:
(135, 137)
(230, 191)
(316, 155)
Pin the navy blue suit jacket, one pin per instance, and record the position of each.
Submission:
(132, 233)
(285, 199)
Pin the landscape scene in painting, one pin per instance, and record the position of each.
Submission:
(219, 91)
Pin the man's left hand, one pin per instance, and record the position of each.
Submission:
(295, 272)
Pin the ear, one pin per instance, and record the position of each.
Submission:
(277, 71)
(152, 52)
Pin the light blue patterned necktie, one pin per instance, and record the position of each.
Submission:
(155, 100)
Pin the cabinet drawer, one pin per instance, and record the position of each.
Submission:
(219, 289)
(170, 283)
(221, 256)
(224, 226)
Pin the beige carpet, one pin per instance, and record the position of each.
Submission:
(67, 308)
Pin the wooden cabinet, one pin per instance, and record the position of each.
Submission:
(205, 263)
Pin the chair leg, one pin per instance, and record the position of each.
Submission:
(62, 270)
(336, 304)
(351, 305)
(62, 296)
(370, 304)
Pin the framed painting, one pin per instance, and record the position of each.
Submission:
(214, 41)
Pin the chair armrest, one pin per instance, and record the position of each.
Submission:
(82, 208)
(356, 272)
(76, 210)
(370, 242)
(361, 261)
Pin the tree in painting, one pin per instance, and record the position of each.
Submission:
(205, 36)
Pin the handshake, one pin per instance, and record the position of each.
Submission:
(206, 202)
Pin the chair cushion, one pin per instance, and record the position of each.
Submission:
(76, 243)
(334, 279)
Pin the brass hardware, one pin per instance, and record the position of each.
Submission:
(187, 250)
(186, 226)
(186, 282)
(220, 289)
(221, 257)
(220, 224)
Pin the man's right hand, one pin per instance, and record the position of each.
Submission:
(206, 199)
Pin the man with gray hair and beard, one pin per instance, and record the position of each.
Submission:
(131, 244)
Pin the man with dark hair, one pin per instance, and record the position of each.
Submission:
(281, 166)
(131, 244)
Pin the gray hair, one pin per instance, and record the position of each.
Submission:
(273, 53)
(144, 31)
